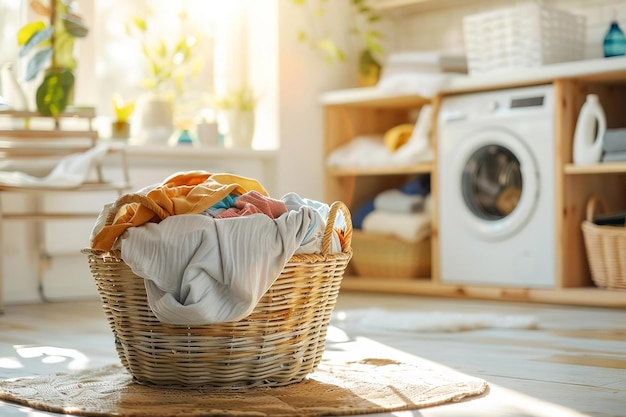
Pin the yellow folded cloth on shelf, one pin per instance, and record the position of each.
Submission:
(397, 136)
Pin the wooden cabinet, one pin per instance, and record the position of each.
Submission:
(362, 112)
(355, 112)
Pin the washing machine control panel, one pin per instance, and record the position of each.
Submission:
(490, 104)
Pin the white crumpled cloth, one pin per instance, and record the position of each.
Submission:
(201, 270)
(70, 171)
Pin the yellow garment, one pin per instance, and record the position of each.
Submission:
(397, 136)
(182, 193)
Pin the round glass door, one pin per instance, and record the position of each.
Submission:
(492, 182)
(498, 183)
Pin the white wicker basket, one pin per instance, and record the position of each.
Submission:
(527, 35)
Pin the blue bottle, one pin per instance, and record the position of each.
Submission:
(614, 41)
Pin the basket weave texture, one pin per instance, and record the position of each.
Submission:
(385, 256)
(606, 249)
(279, 343)
(527, 35)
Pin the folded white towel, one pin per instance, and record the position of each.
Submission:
(396, 201)
(411, 227)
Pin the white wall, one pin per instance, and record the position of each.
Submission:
(303, 76)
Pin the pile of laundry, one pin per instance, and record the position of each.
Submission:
(403, 212)
(221, 245)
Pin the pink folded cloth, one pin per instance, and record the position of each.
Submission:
(254, 202)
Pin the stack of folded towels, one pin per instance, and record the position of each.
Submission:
(403, 212)
(614, 145)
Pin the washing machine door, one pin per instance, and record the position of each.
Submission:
(499, 183)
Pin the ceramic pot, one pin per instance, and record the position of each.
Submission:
(240, 128)
(155, 120)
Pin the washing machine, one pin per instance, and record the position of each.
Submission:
(496, 159)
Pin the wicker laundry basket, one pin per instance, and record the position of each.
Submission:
(384, 256)
(279, 343)
(606, 249)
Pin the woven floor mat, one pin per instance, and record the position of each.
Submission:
(363, 387)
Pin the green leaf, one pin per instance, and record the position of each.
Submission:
(36, 63)
(371, 34)
(54, 93)
(36, 39)
(331, 51)
(27, 31)
(139, 23)
(75, 26)
(161, 49)
(64, 50)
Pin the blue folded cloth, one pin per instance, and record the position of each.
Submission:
(359, 214)
(614, 140)
(614, 156)
(419, 185)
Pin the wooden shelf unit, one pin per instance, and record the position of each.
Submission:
(350, 113)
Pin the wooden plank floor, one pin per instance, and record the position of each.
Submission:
(572, 365)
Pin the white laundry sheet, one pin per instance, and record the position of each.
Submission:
(70, 171)
(201, 270)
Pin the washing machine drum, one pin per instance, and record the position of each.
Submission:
(492, 182)
(499, 183)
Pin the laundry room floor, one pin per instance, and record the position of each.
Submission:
(571, 364)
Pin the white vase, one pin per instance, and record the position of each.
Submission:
(155, 120)
(240, 128)
(12, 91)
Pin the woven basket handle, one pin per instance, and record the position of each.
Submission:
(135, 198)
(595, 200)
(330, 225)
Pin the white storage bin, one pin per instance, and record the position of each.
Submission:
(527, 35)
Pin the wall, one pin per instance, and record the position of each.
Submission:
(303, 76)
(442, 28)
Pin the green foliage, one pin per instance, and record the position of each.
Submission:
(359, 27)
(54, 92)
(51, 45)
(240, 99)
(168, 64)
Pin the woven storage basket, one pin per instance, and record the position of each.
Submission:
(279, 343)
(527, 35)
(383, 256)
(606, 249)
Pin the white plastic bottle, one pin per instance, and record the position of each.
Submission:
(589, 133)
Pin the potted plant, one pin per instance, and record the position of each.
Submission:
(239, 107)
(361, 28)
(50, 45)
(120, 128)
(170, 62)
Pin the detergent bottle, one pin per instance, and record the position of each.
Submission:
(589, 132)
